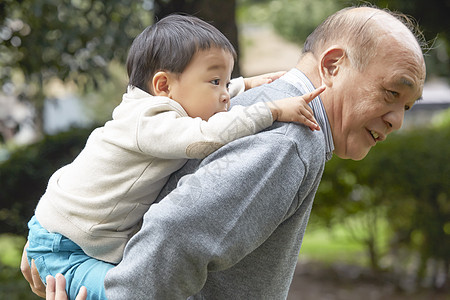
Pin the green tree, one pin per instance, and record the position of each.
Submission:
(295, 20)
(405, 181)
(70, 40)
(432, 17)
(76, 40)
(414, 171)
(344, 197)
(25, 174)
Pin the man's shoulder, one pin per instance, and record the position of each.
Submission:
(269, 144)
(309, 144)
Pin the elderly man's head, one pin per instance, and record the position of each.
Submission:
(374, 70)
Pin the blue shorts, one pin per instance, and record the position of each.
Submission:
(53, 253)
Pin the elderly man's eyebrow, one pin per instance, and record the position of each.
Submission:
(405, 81)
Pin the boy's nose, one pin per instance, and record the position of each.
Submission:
(225, 97)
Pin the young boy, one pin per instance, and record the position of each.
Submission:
(175, 108)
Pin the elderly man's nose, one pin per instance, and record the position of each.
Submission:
(394, 120)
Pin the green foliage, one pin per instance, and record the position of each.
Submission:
(13, 286)
(292, 19)
(71, 40)
(25, 174)
(295, 20)
(432, 17)
(405, 180)
(414, 173)
(442, 120)
(12, 246)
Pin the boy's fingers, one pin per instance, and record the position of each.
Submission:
(308, 120)
(314, 126)
(309, 97)
(308, 112)
(276, 75)
(311, 122)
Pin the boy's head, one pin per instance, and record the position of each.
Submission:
(169, 45)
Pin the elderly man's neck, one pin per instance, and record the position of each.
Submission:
(309, 65)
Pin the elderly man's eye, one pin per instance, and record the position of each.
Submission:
(394, 93)
(407, 107)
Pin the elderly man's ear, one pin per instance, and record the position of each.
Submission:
(331, 63)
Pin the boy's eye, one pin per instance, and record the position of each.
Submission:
(228, 85)
(407, 107)
(215, 81)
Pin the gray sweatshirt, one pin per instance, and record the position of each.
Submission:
(230, 226)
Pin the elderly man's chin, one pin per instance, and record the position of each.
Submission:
(352, 153)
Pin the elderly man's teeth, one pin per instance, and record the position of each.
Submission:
(374, 134)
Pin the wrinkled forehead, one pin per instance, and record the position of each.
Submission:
(404, 55)
(398, 42)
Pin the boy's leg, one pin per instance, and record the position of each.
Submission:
(89, 272)
(54, 253)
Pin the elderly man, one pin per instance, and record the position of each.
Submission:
(231, 226)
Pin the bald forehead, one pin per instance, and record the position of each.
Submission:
(385, 24)
(394, 41)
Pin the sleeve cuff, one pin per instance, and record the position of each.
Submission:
(237, 86)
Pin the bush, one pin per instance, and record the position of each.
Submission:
(406, 181)
(25, 174)
(295, 20)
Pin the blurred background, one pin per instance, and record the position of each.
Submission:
(379, 229)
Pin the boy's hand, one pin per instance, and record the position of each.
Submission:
(296, 109)
(255, 81)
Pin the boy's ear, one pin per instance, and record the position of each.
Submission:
(160, 84)
(331, 64)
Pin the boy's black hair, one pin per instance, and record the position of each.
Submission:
(169, 45)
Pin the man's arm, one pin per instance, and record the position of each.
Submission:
(212, 220)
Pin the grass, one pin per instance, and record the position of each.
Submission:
(336, 244)
(332, 245)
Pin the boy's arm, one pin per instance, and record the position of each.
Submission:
(167, 135)
(237, 86)
(171, 136)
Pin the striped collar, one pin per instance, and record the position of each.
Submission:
(299, 80)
